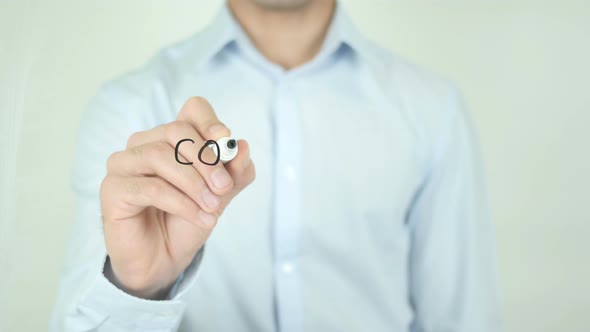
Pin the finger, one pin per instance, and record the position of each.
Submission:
(241, 167)
(242, 171)
(217, 178)
(154, 159)
(133, 194)
(198, 112)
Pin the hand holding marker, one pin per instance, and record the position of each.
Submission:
(157, 215)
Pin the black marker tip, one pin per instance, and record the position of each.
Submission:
(232, 144)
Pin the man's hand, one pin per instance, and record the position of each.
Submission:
(157, 213)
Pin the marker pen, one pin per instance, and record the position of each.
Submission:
(228, 149)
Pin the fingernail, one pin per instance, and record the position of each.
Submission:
(220, 178)
(206, 218)
(210, 199)
(216, 128)
(246, 163)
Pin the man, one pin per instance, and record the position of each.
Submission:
(367, 212)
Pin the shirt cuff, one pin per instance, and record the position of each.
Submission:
(114, 307)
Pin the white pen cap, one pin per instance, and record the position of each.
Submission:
(228, 149)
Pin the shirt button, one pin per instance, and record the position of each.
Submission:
(291, 173)
(287, 268)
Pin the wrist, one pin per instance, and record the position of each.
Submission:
(138, 287)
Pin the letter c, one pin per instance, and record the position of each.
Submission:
(176, 151)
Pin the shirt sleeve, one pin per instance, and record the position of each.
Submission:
(453, 273)
(86, 300)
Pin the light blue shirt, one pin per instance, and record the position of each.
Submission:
(368, 212)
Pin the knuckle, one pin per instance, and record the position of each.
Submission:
(105, 185)
(133, 187)
(151, 188)
(170, 130)
(112, 161)
(137, 151)
(133, 139)
(157, 151)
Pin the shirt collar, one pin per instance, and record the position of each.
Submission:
(342, 31)
(225, 30)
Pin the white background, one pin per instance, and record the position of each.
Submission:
(523, 66)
